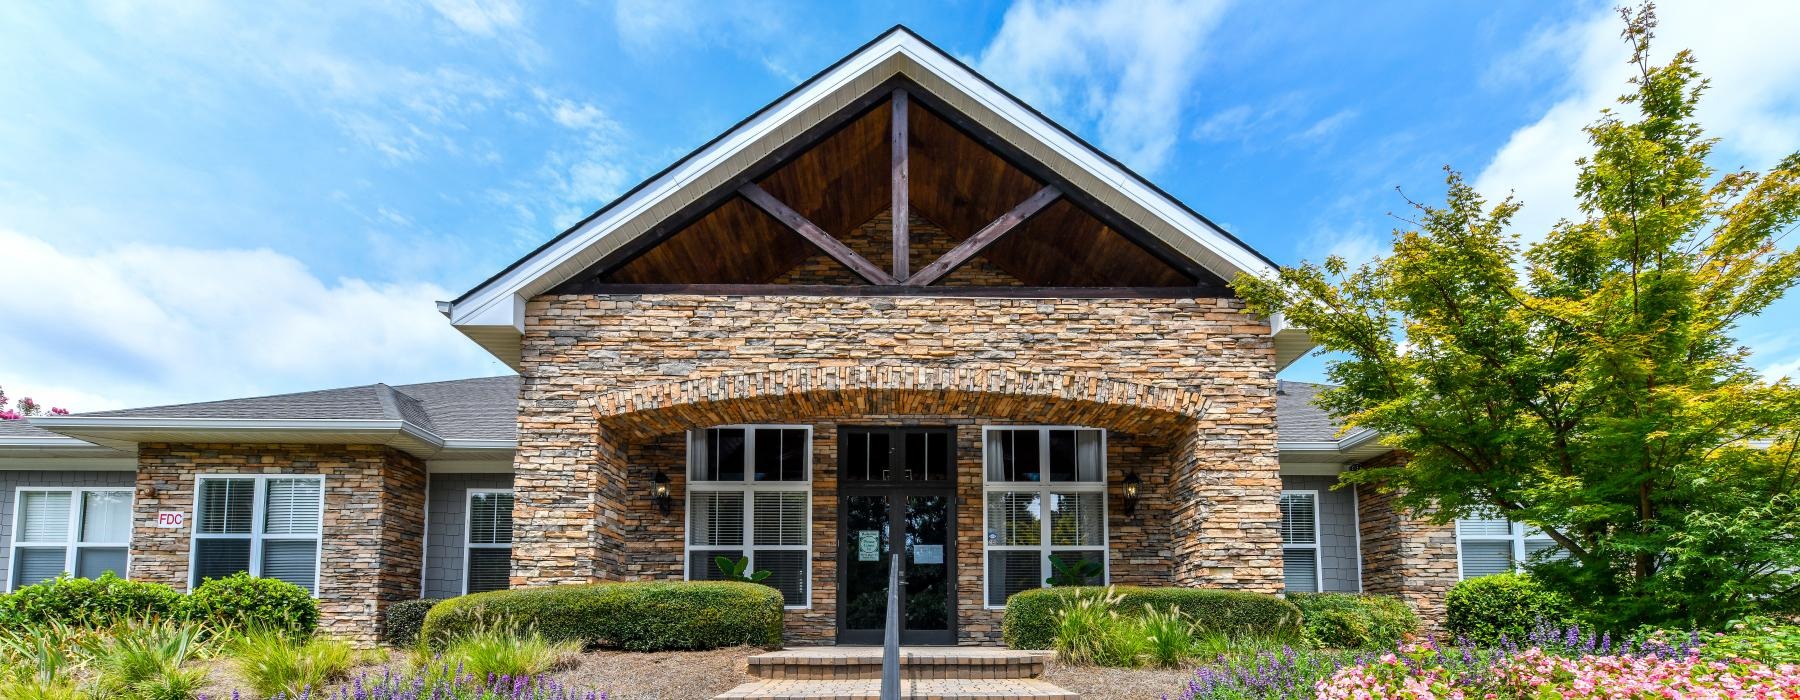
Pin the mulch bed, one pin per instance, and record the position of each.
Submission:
(1095, 683)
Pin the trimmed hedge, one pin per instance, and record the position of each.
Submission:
(1481, 609)
(1030, 620)
(404, 620)
(242, 602)
(87, 602)
(1355, 621)
(637, 616)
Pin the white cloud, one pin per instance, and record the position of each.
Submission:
(1753, 103)
(757, 29)
(1126, 66)
(140, 325)
(480, 17)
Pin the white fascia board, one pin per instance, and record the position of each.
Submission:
(123, 429)
(1240, 257)
(500, 302)
(1360, 445)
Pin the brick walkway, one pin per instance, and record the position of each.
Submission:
(853, 673)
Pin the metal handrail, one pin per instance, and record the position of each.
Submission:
(890, 642)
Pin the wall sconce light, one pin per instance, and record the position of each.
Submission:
(1130, 489)
(659, 492)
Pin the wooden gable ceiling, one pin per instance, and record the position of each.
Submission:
(843, 182)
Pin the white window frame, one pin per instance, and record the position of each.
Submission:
(71, 544)
(1043, 487)
(1318, 559)
(1517, 533)
(749, 487)
(469, 529)
(256, 536)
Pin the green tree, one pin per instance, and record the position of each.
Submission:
(1589, 384)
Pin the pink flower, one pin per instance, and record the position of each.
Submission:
(8, 415)
(58, 411)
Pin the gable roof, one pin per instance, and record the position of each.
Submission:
(463, 417)
(492, 313)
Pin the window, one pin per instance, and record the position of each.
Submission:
(1300, 540)
(487, 551)
(1046, 497)
(267, 526)
(84, 532)
(1487, 546)
(750, 495)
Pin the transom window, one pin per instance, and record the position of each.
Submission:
(267, 526)
(750, 496)
(84, 532)
(487, 549)
(1300, 541)
(1487, 546)
(1045, 491)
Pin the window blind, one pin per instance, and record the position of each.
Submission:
(291, 507)
(780, 517)
(38, 564)
(218, 558)
(787, 572)
(293, 561)
(716, 518)
(92, 562)
(1013, 519)
(1077, 519)
(490, 569)
(1483, 527)
(226, 506)
(1011, 572)
(1486, 557)
(490, 518)
(1299, 518)
(44, 517)
(1300, 569)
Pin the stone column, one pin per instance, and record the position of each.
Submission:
(1405, 556)
(1227, 487)
(569, 519)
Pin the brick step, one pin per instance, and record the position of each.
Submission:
(859, 663)
(913, 689)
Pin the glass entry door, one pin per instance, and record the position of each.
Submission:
(897, 492)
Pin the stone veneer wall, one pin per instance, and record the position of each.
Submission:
(581, 517)
(1140, 553)
(1404, 555)
(370, 540)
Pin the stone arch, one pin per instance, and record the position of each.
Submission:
(998, 392)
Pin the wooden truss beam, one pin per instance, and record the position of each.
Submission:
(870, 290)
(986, 236)
(898, 139)
(812, 233)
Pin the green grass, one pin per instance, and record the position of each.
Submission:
(503, 652)
(272, 662)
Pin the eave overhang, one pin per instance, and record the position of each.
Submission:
(1360, 445)
(493, 314)
(121, 433)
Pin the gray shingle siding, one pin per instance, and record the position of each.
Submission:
(1338, 564)
(446, 509)
(12, 480)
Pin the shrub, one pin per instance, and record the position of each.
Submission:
(242, 603)
(273, 662)
(1756, 639)
(1481, 609)
(98, 602)
(1355, 621)
(638, 616)
(1169, 636)
(1031, 616)
(506, 652)
(404, 620)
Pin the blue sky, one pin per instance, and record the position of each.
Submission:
(211, 199)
